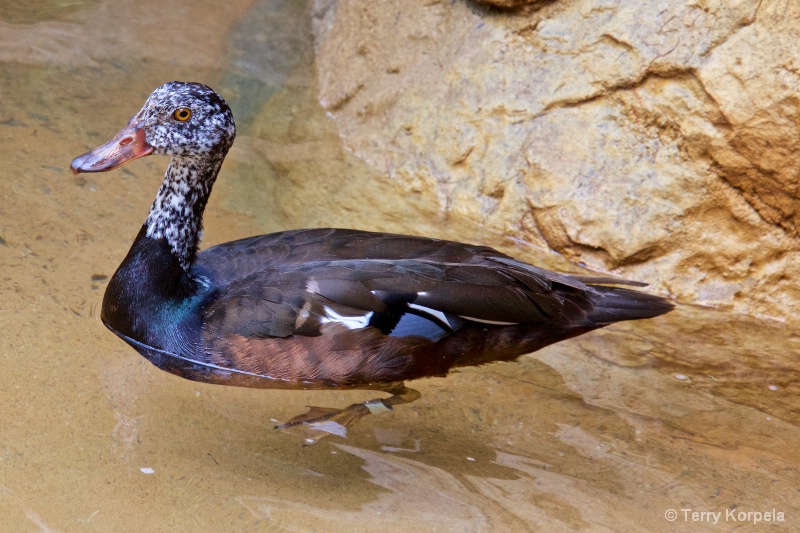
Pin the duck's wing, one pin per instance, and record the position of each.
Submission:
(297, 282)
(427, 296)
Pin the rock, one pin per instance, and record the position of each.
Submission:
(656, 141)
(509, 4)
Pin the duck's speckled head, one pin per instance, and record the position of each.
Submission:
(179, 119)
(186, 119)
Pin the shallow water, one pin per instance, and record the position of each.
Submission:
(695, 410)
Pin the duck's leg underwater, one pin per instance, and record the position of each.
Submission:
(323, 421)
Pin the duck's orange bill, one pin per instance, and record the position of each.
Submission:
(127, 145)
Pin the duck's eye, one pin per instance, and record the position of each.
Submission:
(183, 114)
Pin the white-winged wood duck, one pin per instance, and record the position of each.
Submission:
(319, 308)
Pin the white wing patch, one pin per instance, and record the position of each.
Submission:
(312, 286)
(492, 322)
(434, 312)
(350, 322)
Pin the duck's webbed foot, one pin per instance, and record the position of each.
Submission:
(320, 422)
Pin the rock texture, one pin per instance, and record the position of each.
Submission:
(509, 4)
(655, 140)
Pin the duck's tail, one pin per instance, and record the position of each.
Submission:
(614, 304)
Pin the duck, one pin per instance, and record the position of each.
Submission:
(325, 308)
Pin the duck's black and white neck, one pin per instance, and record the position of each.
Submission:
(177, 212)
(192, 125)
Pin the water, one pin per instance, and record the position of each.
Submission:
(695, 410)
